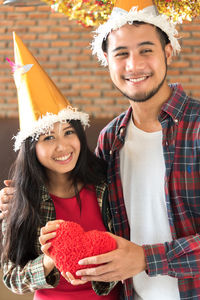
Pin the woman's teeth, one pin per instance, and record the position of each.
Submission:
(62, 158)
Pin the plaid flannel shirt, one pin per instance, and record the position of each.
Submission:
(180, 120)
(31, 277)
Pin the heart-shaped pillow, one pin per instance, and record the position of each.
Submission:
(72, 243)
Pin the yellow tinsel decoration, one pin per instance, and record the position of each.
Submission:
(86, 12)
(179, 10)
(95, 12)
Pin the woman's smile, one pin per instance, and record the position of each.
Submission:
(59, 150)
(63, 158)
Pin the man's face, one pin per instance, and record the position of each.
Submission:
(137, 61)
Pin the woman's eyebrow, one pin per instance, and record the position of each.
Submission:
(67, 127)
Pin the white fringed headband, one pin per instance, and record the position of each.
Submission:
(45, 124)
(120, 17)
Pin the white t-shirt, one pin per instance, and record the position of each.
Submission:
(142, 169)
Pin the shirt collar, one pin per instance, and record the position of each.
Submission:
(124, 122)
(45, 194)
(174, 107)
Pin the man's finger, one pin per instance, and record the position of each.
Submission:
(96, 260)
(7, 182)
(8, 191)
(4, 207)
(97, 271)
(3, 214)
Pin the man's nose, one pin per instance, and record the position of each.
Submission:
(134, 63)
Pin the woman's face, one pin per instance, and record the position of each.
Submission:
(58, 150)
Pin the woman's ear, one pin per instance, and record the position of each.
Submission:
(168, 53)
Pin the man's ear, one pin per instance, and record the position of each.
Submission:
(168, 53)
(106, 56)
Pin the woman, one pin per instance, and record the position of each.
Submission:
(55, 177)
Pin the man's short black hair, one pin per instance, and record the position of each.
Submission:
(164, 39)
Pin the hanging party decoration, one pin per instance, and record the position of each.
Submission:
(179, 10)
(89, 13)
(92, 13)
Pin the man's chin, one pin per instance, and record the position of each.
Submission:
(137, 98)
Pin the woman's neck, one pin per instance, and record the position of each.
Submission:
(61, 186)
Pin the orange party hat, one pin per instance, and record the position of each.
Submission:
(37, 94)
(40, 102)
(127, 4)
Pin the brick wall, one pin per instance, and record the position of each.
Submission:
(62, 48)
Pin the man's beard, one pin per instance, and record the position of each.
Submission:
(146, 96)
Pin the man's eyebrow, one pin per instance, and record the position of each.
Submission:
(139, 45)
(146, 43)
(119, 48)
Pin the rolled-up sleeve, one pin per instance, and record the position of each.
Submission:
(29, 278)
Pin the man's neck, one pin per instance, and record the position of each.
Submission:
(145, 114)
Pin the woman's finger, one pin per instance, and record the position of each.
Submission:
(45, 248)
(78, 282)
(65, 275)
(73, 280)
(45, 237)
(48, 229)
(70, 276)
(53, 223)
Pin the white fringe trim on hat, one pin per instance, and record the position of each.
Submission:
(119, 18)
(45, 124)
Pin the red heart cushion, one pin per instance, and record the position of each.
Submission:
(72, 243)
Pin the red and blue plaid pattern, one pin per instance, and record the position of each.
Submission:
(180, 120)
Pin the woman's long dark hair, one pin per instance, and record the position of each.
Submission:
(28, 176)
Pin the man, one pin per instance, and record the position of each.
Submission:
(153, 159)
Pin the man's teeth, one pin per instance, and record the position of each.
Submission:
(137, 79)
(63, 157)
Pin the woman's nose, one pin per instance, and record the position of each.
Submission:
(60, 144)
